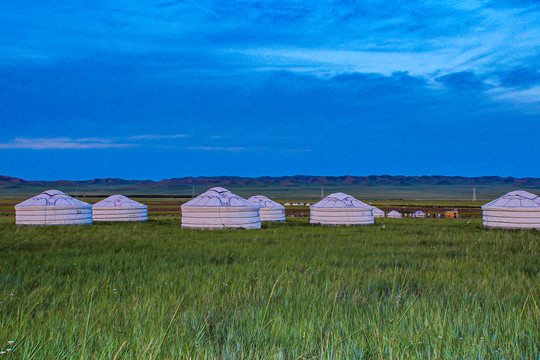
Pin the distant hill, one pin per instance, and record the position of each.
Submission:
(301, 186)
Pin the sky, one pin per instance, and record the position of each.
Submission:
(162, 89)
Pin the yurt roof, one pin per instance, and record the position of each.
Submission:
(515, 199)
(377, 210)
(418, 213)
(340, 200)
(394, 212)
(219, 197)
(265, 202)
(54, 198)
(119, 201)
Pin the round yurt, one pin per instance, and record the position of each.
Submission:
(418, 214)
(393, 214)
(515, 210)
(53, 207)
(119, 208)
(218, 208)
(269, 209)
(378, 213)
(340, 209)
(287, 204)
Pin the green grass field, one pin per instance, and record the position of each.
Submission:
(311, 193)
(411, 289)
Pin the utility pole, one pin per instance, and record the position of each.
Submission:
(322, 192)
(193, 192)
(474, 194)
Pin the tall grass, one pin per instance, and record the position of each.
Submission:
(415, 289)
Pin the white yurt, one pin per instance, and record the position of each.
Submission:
(393, 214)
(418, 214)
(119, 208)
(308, 204)
(218, 208)
(269, 209)
(340, 209)
(53, 207)
(287, 204)
(378, 213)
(515, 210)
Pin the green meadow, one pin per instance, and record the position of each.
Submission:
(400, 289)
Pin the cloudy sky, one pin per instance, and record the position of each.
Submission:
(160, 89)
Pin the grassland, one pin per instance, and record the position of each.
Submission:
(436, 193)
(411, 289)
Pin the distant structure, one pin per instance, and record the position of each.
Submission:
(515, 210)
(218, 208)
(269, 209)
(393, 214)
(340, 209)
(474, 193)
(378, 213)
(53, 207)
(322, 192)
(119, 208)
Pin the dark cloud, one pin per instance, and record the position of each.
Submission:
(208, 69)
(463, 81)
(522, 78)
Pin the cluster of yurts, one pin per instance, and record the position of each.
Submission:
(219, 208)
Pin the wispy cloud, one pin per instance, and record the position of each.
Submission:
(220, 148)
(64, 143)
(84, 143)
(297, 150)
(158, 137)
(527, 100)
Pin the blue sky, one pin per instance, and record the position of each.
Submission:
(160, 89)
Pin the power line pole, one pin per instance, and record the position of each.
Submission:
(322, 192)
(474, 194)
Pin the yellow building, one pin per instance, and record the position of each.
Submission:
(452, 214)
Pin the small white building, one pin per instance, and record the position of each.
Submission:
(516, 210)
(378, 213)
(269, 209)
(53, 207)
(340, 209)
(218, 208)
(393, 214)
(119, 208)
(418, 214)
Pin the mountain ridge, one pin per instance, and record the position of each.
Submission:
(290, 180)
